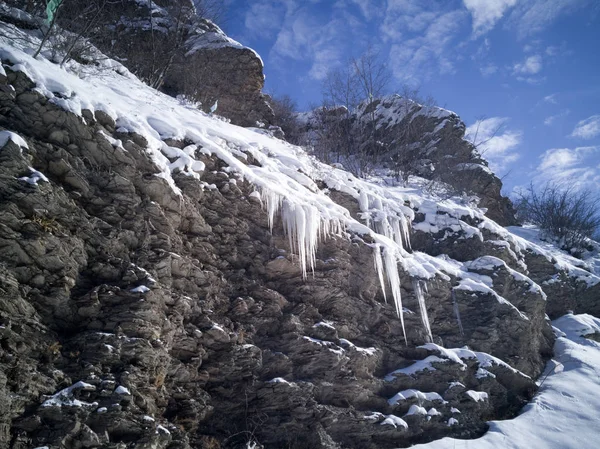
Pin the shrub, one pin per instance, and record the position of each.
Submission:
(567, 215)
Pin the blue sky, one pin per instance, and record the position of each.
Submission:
(528, 67)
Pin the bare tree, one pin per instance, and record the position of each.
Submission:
(348, 112)
(565, 214)
(285, 110)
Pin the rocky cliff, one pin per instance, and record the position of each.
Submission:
(169, 280)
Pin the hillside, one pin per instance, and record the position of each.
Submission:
(171, 280)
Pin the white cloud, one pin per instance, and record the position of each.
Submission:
(549, 121)
(551, 99)
(566, 166)
(495, 142)
(304, 37)
(532, 16)
(264, 18)
(420, 39)
(368, 8)
(488, 69)
(486, 13)
(531, 66)
(588, 128)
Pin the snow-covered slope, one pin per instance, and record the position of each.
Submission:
(565, 413)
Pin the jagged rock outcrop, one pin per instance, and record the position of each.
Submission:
(413, 139)
(146, 302)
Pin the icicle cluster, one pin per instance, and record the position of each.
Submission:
(303, 224)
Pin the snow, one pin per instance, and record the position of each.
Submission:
(122, 390)
(140, 289)
(433, 412)
(484, 359)
(161, 429)
(393, 420)
(416, 410)
(565, 413)
(5, 136)
(411, 393)
(66, 398)
(34, 177)
(327, 324)
(477, 396)
(587, 270)
(278, 380)
(366, 351)
(452, 422)
(418, 366)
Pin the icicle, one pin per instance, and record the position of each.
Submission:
(391, 271)
(397, 231)
(272, 201)
(404, 227)
(363, 205)
(457, 313)
(422, 307)
(302, 224)
(379, 269)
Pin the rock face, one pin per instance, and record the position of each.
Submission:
(426, 141)
(218, 70)
(133, 316)
(173, 49)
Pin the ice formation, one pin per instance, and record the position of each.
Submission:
(418, 289)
